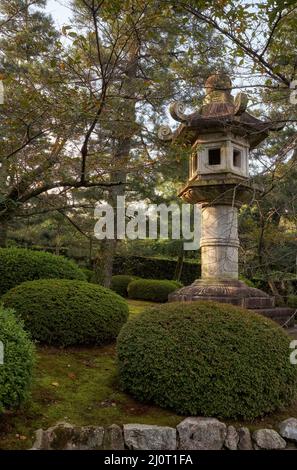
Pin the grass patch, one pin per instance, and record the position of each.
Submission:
(79, 385)
(136, 306)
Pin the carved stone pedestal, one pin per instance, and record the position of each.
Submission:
(227, 291)
(236, 293)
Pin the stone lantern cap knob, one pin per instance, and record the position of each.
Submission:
(218, 82)
(218, 89)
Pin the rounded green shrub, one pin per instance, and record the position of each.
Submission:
(88, 273)
(120, 282)
(206, 358)
(17, 361)
(18, 265)
(63, 312)
(152, 289)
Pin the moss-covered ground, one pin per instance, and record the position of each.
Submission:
(79, 385)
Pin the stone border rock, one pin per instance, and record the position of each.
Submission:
(191, 434)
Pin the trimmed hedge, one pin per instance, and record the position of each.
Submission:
(17, 367)
(206, 358)
(18, 265)
(88, 273)
(155, 268)
(63, 312)
(152, 289)
(120, 283)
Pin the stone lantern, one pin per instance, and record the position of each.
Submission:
(220, 136)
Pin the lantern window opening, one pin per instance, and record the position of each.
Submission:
(237, 158)
(214, 156)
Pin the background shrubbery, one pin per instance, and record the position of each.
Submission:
(18, 265)
(292, 301)
(16, 371)
(152, 289)
(205, 358)
(62, 312)
(88, 273)
(120, 283)
(156, 268)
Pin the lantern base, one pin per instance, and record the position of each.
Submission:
(236, 293)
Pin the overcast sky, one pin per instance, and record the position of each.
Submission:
(59, 11)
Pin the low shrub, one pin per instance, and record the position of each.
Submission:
(88, 273)
(156, 268)
(18, 265)
(17, 353)
(206, 358)
(63, 312)
(120, 282)
(152, 289)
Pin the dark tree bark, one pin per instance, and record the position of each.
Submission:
(123, 144)
(279, 299)
(104, 262)
(3, 233)
(179, 264)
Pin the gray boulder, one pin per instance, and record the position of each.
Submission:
(245, 440)
(113, 438)
(64, 436)
(201, 434)
(149, 437)
(268, 439)
(40, 442)
(288, 429)
(232, 438)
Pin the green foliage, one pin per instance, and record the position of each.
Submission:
(206, 358)
(155, 268)
(88, 273)
(16, 370)
(152, 289)
(18, 265)
(120, 284)
(285, 283)
(292, 301)
(64, 312)
(247, 281)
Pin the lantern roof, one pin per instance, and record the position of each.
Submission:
(220, 112)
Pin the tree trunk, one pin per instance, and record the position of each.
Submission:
(179, 264)
(91, 253)
(122, 148)
(104, 262)
(3, 233)
(279, 299)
